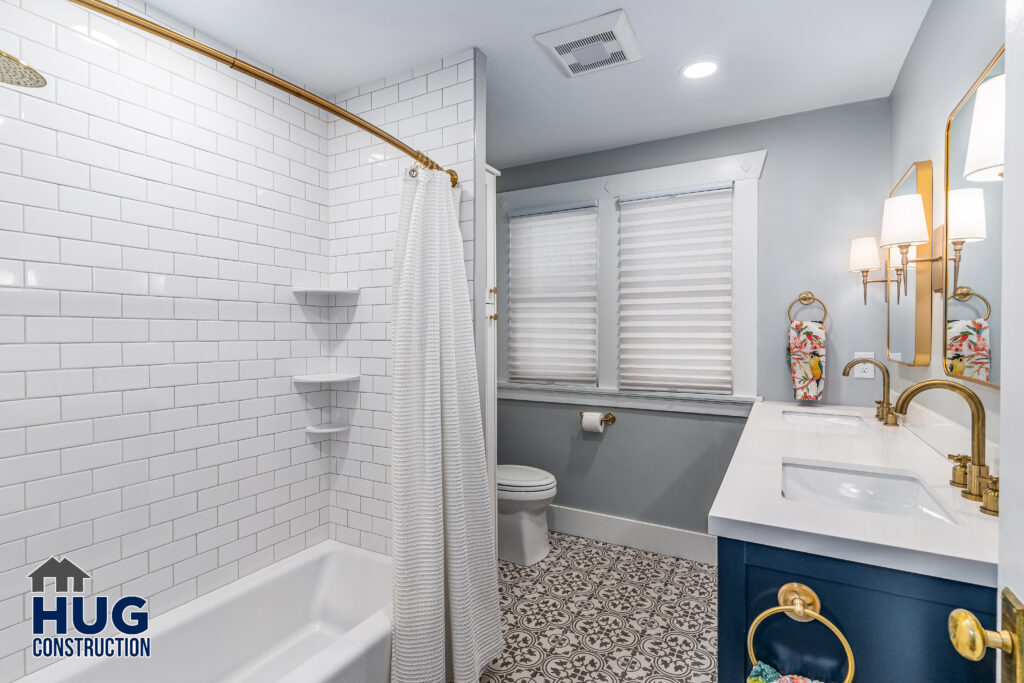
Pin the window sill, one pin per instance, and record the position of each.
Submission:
(704, 404)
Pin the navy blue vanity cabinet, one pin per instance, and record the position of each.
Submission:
(895, 621)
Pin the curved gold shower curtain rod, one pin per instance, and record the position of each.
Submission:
(260, 75)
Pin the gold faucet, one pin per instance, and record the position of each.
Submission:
(978, 482)
(883, 413)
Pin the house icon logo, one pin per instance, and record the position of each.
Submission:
(64, 572)
(79, 625)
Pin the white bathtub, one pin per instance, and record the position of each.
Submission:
(322, 615)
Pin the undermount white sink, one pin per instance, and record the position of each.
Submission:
(822, 418)
(890, 492)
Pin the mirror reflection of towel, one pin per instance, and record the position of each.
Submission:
(807, 359)
(762, 673)
(968, 351)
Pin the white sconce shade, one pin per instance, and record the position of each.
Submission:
(967, 215)
(864, 254)
(985, 146)
(903, 221)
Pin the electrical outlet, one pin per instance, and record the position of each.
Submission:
(864, 370)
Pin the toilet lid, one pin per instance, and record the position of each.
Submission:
(523, 478)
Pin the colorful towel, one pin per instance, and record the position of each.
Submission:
(807, 359)
(763, 673)
(968, 352)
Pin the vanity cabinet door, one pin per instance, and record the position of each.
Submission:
(895, 621)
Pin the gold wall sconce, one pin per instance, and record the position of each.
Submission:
(864, 259)
(904, 225)
(966, 223)
(986, 144)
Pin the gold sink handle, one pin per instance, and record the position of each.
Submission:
(959, 477)
(971, 640)
(990, 497)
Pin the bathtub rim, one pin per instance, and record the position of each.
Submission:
(65, 669)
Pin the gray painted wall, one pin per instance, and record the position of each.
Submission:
(824, 181)
(652, 466)
(956, 40)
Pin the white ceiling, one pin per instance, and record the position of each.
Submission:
(778, 57)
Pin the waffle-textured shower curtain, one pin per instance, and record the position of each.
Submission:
(447, 622)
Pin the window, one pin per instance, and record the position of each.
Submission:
(645, 298)
(675, 292)
(553, 297)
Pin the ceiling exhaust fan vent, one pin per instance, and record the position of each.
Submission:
(565, 48)
(592, 45)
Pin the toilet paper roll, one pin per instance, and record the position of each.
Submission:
(592, 422)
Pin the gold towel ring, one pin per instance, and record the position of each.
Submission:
(963, 293)
(807, 298)
(799, 602)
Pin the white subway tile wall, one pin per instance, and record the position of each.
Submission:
(432, 108)
(155, 210)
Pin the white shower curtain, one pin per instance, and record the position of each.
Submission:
(447, 622)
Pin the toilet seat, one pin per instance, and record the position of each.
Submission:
(520, 478)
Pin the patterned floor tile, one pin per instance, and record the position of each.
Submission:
(593, 612)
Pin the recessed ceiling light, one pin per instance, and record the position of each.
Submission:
(700, 69)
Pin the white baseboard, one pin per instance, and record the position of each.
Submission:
(666, 540)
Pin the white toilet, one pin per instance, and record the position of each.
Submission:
(524, 494)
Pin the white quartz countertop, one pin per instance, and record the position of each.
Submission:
(750, 506)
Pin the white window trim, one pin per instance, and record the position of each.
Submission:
(742, 171)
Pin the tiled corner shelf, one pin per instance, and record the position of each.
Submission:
(328, 428)
(323, 290)
(325, 378)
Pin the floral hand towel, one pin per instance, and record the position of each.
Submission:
(968, 352)
(762, 673)
(807, 359)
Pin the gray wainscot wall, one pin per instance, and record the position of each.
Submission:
(663, 468)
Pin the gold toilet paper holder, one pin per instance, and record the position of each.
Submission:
(607, 418)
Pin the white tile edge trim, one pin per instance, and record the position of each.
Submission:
(656, 538)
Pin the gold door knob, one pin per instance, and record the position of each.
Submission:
(493, 316)
(971, 640)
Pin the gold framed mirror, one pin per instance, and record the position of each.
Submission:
(909, 296)
(972, 240)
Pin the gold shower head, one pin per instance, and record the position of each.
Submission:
(13, 71)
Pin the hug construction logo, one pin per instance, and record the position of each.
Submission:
(127, 617)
